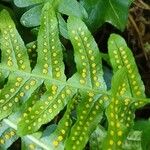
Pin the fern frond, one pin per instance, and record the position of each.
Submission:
(88, 118)
(10, 124)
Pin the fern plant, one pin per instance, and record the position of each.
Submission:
(33, 94)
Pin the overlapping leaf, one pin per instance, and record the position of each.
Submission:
(31, 18)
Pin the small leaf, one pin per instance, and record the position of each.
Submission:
(97, 137)
(13, 93)
(133, 141)
(51, 103)
(7, 138)
(72, 8)
(59, 136)
(62, 26)
(31, 18)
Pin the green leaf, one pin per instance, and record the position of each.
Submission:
(25, 3)
(51, 66)
(89, 74)
(57, 138)
(62, 26)
(87, 56)
(28, 141)
(10, 124)
(89, 114)
(31, 18)
(121, 56)
(57, 95)
(14, 54)
(99, 12)
(119, 122)
(71, 8)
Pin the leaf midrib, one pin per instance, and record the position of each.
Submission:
(112, 7)
(54, 80)
(131, 91)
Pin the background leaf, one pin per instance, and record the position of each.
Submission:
(144, 127)
(101, 11)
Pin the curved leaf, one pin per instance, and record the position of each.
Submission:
(31, 18)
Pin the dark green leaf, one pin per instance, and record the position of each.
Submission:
(111, 11)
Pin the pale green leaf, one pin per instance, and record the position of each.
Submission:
(25, 3)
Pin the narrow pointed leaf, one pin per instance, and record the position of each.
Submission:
(14, 54)
(58, 138)
(50, 60)
(51, 103)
